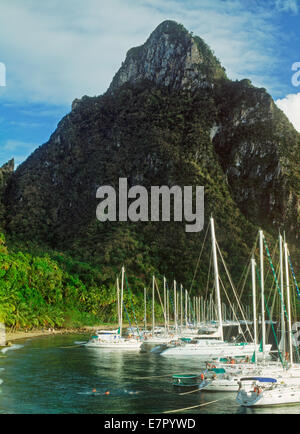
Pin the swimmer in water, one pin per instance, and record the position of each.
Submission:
(107, 392)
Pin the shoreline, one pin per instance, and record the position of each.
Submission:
(22, 334)
(36, 333)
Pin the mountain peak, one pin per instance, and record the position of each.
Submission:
(170, 57)
(170, 27)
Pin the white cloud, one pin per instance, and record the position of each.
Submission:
(287, 5)
(72, 48)
(14, 145)
(60, 50)
(17, 149)
(290, 105)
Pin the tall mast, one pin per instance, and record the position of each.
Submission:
(178, 307)
(175, 306)
(216, 272)
(186, 311)
(181, 307)
(253, 264)
(145, 302)
(122, 295)
(282, 295)
(194, 308)
(118, 301)
(168, 308)
(261, 247)
(165, 305)
(153, 310)
(288, 302)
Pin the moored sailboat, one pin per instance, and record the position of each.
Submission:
(114, 339)
(267, 395)
(213, 348)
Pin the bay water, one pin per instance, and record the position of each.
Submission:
(55, 375)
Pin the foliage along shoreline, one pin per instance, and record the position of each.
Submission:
(38, 333)
(42, 290)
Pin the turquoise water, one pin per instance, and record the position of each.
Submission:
(44, 377)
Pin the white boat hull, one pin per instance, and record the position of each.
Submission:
(113, 341)
(228, 383)
(212, 350)
(290, 377)
(224, 385)
(127, 345)
(159, 340)
(278, 396)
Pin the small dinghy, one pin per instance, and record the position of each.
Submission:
(187, 380)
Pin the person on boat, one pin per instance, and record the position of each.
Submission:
(257, 390)
(287, 356)
(232, 361)
(202, 377)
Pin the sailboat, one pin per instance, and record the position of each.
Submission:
(218, 380)
(161, 335)
(290, 373)
(287, 375)
(212, 348)
(113, 339)
(268, 394)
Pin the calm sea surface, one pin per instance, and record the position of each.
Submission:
(45, 377)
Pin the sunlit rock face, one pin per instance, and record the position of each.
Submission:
(171, 57)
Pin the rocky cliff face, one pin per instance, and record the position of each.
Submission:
(171, 57)
(6, 172)
(259, 153)
(170, 117)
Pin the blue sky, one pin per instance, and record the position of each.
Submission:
(57, 51)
